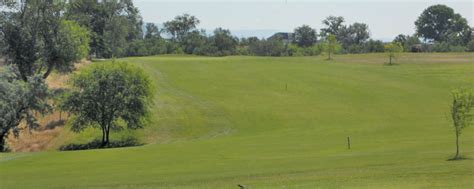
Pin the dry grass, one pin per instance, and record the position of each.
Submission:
(51, 124)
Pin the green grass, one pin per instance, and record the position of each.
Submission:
(219, 122)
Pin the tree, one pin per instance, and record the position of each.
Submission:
(224, 42)
(334, 26)
(358, 33)
(331, 45)
(113, 24)
(461, 113)
(109, 95)
(39, 40)
(305, 36)
(196, 42)
(152, 31)
(19, 100)
(392, 50)
(439, 23)
(180, 25)
(114, 39)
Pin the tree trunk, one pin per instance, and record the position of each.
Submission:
(457, 146)
(103, 137)
(107, 131)
(48, 71)
(3, 137)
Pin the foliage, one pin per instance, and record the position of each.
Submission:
(392, 50)
(470, 46)
(334, 25)
(19, 100)
(439, 23)
(305, 36)
(461, 113)
(373, 46)
(224, 42)
(271, 47)
(331, 46)
(294, 50)
(180, 26)
(152, 31)
(408, 42)
(109, 95)
(113, 24)
(38, 40)
(127, 142)
(446, 47)
(352, 37)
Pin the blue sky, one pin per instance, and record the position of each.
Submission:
(386, 18)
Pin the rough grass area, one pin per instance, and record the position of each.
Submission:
(268, 122)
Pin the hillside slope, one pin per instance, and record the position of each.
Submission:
(279, 123)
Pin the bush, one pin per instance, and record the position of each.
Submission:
(294, 50)
(470, 46)
(374, 46)
(446, 47)
(97, 144)
(268, 48)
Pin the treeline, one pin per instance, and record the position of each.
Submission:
(438, 29)
(116, 29)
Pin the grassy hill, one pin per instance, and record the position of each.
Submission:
(278, 123)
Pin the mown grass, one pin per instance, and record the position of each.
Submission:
(278, 123)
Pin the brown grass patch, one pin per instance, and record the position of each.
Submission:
(51, 125)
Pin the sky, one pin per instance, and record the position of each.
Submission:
(261, 18)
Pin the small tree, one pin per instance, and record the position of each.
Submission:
(461, 113)
(392, 50)
(109, 95)
(331, 45)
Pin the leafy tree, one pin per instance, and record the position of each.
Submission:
(38, 40)
(181, 25)
(392, 50)
(461, 113)
(114, 39)
(152, 31)
(224, 42)
(331, 46)
(358, 33)
(113, 24)
(351, 37)
(19, 100)
(109, 95)
(440, 23)
(402, 39)
(305, 36)
(195, 42)
(334, 25)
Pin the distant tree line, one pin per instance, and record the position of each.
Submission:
(438, 29)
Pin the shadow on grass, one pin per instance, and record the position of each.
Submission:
(459, 159)
(97, 144)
